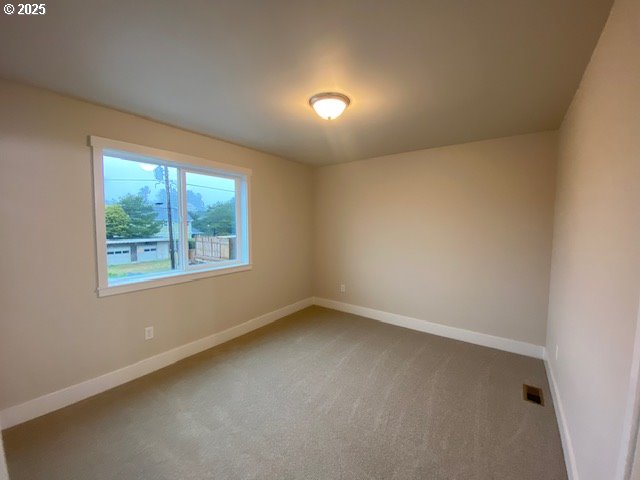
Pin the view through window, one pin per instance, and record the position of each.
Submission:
(162, 219)
(211, 208)
(142, 221)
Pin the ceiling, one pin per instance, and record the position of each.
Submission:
(420, 73)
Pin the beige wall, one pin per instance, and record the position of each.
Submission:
(457, 235)
(55, 331)
(595, 279)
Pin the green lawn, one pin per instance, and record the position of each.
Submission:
(140, 268)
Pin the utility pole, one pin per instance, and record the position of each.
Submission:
(167, 187)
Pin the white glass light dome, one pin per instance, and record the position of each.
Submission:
(329, 105)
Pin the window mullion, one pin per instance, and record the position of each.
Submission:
(184, 225)
(239, 229)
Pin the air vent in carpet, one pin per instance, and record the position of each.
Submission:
(533, 394)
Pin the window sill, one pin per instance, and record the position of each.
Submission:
(172, 279)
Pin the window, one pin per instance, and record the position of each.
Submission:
(164, 217)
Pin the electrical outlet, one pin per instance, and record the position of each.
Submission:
(148, 333)
(556, 351)
(343, 288)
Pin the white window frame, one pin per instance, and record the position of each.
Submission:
(186, 163)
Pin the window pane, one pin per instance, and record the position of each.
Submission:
(211, 208)
(138, 213)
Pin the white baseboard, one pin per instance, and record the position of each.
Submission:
(53, 401)
(500, 343)
(567, 445)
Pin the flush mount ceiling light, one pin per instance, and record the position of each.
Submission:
(329, 105)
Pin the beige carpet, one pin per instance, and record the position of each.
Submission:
(317, 395)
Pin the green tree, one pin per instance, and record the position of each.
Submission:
(117, 221)
(218, 219)
(143, 221)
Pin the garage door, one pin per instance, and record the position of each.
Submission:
(118, 255)
(147, 253)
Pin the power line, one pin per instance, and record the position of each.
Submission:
(210, 188)
(155, 181)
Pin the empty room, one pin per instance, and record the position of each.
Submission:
(382, 240)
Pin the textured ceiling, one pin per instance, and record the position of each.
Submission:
(420, 73)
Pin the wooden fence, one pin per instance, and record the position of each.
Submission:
(215, 248)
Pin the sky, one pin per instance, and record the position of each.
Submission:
(122, 177)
